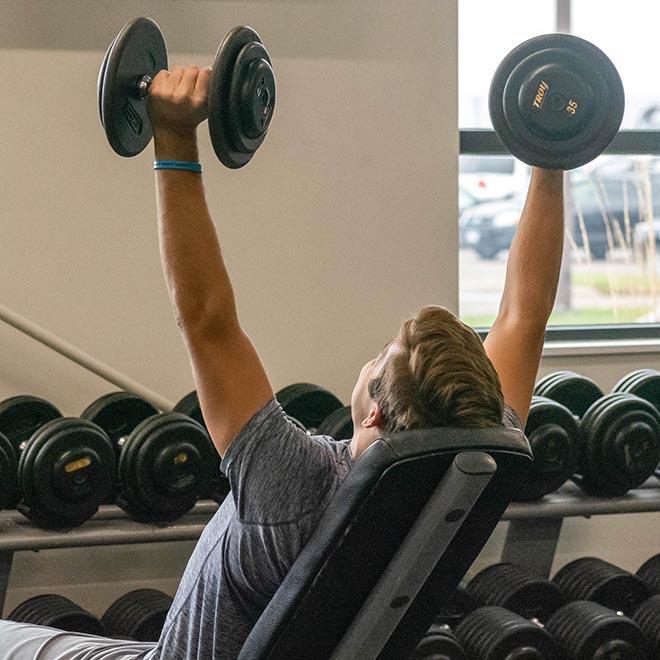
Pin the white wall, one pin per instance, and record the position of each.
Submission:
(343, 224)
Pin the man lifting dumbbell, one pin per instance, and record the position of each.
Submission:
(436, 372)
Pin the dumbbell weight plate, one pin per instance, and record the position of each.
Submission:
(493, 632)
(583, 629)
(137, 615)
(622, 385)
(644, 383)
(165, 465)
(572, 390)
(620, 444)
(338, 424)
(219, 485)
(138, 50)
(57, 612)
(556, 101)
(65, 471)
(189, 406)
(118, 413)
(553, 436)
(241, 97)
(309, 404)
(20, 417)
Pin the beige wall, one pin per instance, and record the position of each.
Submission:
(341, 226)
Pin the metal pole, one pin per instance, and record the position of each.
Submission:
(81, 358)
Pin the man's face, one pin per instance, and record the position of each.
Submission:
(361, 401)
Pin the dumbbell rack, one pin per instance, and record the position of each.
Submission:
(531, 538)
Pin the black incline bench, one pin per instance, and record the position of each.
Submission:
(397, 537)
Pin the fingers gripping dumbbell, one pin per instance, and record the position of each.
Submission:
(241, 96)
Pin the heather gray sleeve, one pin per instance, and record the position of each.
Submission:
(277, 471)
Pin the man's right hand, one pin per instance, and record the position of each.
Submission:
(178, 100)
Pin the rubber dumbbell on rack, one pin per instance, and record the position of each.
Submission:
(56, 612)
(644, 383)
(164, 459)
(218, 487)
(553, 436)
(649, 571)
(308, 404)
(647, 617)
(494, 633)
(241, 96)
(619, 433)
(338, 424)
(590, 578)
(512, 588)
(584, 630)
(138, 615)
(65, 464)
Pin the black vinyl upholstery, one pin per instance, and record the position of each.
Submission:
(364, 524)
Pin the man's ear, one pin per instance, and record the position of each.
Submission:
(374, 418)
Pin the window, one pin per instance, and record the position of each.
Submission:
(611, 269)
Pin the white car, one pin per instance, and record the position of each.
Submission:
(488, 178)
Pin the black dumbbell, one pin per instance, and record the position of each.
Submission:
(219, 484)
(57, 612)
(309, 404)
(164, 459)
(647, 617)
(594, 579)
(241, 96)
(619, 444)
(509, 586)
(65, 464)
(619, 434)
(439, 643)
(585, 630)
(553, 436)
(137, 615)
(556, 101)
(338, 424)
(644, 383)
(493, 633)
(649, 571)
(571, 389)
(118, 413)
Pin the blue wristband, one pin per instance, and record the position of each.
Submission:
(178, 165)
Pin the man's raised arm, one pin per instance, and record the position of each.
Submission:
(515, 341)
(230, 379)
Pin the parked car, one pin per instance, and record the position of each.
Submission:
(487, 178)
(606, 208)
(488, 228)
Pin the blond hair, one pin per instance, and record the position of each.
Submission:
(441, 377)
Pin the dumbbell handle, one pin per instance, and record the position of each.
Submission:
(143, 86)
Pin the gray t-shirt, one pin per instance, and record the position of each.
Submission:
(281, 482)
